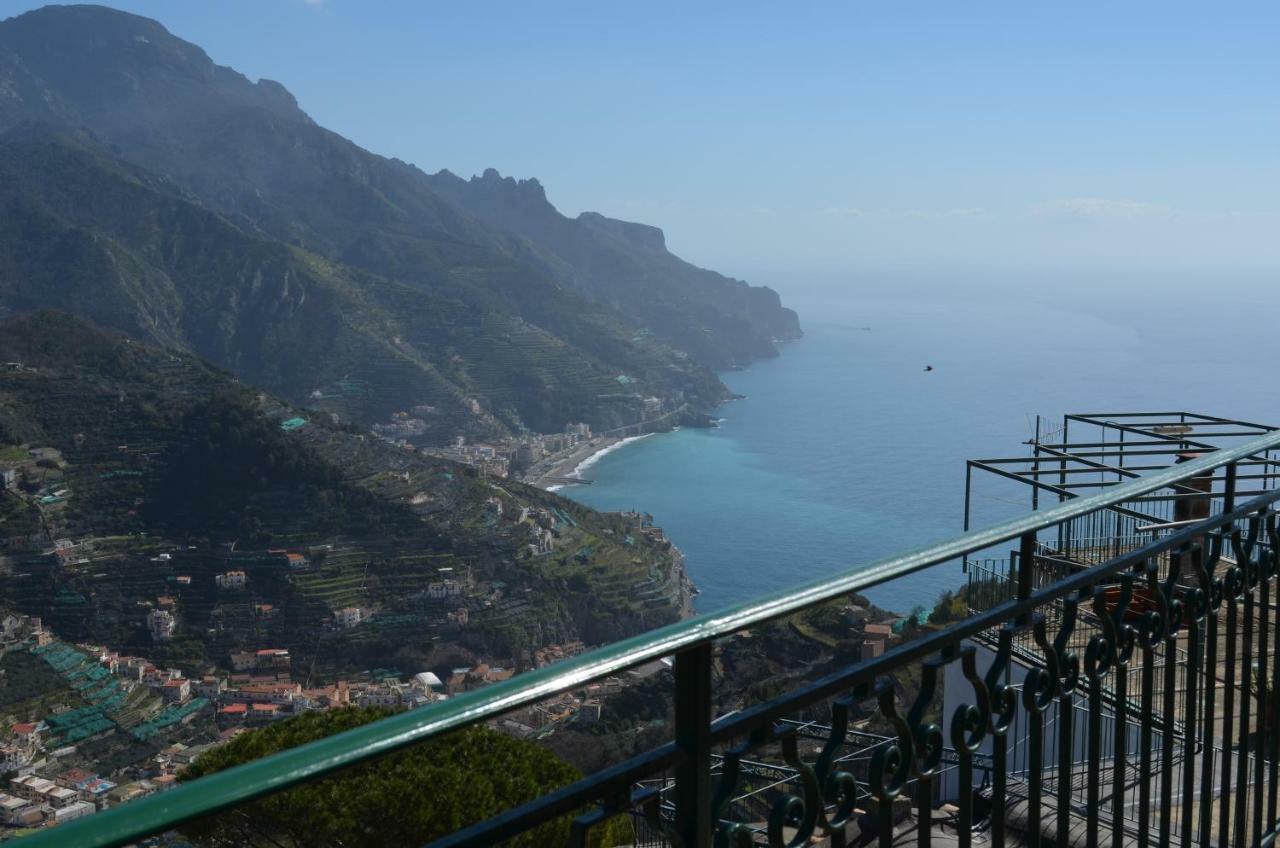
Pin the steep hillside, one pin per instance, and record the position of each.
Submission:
(87, 233)
(153, 473)
(721, 321)
(246, 151)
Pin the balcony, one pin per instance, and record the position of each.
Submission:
(1112, 682)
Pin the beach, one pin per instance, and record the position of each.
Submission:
(559, 470)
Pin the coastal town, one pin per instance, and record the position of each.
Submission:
(538, 459)
(110, 727)
(85, 725)
(545, 460)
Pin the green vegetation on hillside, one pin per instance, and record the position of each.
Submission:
(164, 472)
(408, 798)
(204, 212)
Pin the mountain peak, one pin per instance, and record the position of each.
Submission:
(101, 30)
(101, 60)
(529, 190)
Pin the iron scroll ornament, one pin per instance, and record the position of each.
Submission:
(969, 722)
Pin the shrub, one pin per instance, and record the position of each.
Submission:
(408, 798)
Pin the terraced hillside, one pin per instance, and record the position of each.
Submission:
(109, 723)
(151, 474)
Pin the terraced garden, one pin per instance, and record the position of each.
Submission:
(167, 461)
(109, 703)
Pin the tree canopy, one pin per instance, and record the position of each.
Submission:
(408, 798)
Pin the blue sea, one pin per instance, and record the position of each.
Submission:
(846, 450)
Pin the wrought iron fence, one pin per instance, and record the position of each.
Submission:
(1138, 706)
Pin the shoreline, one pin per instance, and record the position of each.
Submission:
(549, 472)
(554, 475)
(614, 445)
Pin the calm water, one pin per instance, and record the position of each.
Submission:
(845, 450)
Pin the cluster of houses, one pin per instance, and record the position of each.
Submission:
(162, 623)
(496, 459)
(259, 700)
(30, 800)
(260, 690)
(20, 747)
(43, 793)
(17, 627)
(877, 637)
(554, 653)
(169, 683)
(234, 581)
(539, 524)
(406, 425)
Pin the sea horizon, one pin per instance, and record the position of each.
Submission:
(778, 492)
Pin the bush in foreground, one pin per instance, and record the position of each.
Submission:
(407, 798)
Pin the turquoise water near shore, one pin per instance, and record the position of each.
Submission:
(845, 450)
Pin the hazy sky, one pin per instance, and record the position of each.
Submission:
(779, 137)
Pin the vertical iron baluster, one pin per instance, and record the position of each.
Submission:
(838, 786)
(1171, 618)
(968, 728)
(1241, 824)
(964, 830)
(1026, 566)
(693, 736)
(729, 833)
(1273, 708)
(1228, 705)
(1151, 632)
(801, 812)
(1098, 658)
(928, 747)
(1004, 705)
(1210, 708)
(1124, 650)
(1144, 741)
(890, 764)
(1198, 599)
(1038, 692)
(1262, 731)
(1228, 694)
(1035, 726)
(1166, 743)
(1212, 589)
(1069, 671)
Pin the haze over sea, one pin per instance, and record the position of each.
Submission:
(845, 450)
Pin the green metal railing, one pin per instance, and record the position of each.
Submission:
(688, 755)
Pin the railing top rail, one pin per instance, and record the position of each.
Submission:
(246, 782)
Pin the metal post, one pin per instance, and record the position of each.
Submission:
(1229, 489)
(1026, 563)
(1035, 490)
(968, 492)
(693, 738)
(1064, 529)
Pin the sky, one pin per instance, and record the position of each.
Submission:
(790, 138)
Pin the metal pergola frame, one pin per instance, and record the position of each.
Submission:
(1066, 459)
(1060, 466)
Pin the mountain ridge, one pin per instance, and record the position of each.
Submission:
(404, 261)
